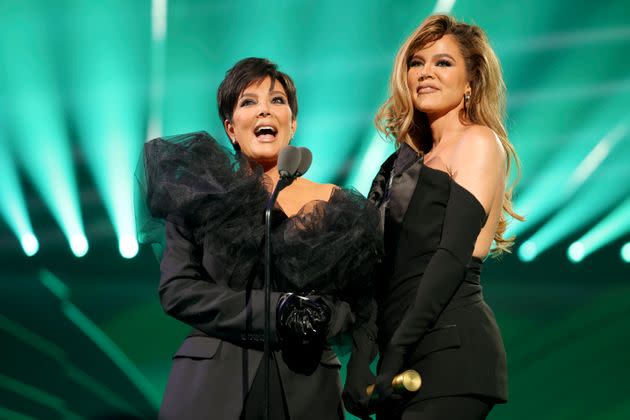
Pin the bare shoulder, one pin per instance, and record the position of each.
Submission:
(478, 163)
(478, 144)
(317, 191)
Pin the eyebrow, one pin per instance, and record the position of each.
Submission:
(444, 55)
(253, 95)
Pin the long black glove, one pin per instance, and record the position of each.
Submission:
(392, 362)
(302, 320)
(463, 220)
(358, 375)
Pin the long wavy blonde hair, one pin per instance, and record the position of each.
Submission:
(397, 118)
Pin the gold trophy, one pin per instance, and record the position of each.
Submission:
(408, 381)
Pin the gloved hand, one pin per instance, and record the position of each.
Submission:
(302, 319)
(392, 363)
(358, 378)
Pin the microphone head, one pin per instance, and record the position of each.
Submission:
(288, 161)
(305, 161)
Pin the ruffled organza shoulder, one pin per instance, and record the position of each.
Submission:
(219, 196)
(329, 247)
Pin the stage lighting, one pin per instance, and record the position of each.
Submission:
(528, 251)
(567, 174)
(608, 229)
(576, 252)
(35, 115)
(79, 245)
(375, 150)
(13, 206)
(128, 246)
(30, 244)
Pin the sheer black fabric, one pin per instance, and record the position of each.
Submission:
(329, 247)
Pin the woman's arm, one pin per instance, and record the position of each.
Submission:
(188, 294)
(474, 184)
(476, 169)
(359, 375)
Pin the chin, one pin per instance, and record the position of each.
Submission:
(434, 108)
(264, 153)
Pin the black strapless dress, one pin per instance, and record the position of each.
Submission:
(430, 297)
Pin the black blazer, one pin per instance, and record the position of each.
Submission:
(214, 368)
(430, 297)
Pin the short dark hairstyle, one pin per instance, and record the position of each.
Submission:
(243, 74)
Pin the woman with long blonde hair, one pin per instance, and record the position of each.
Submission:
(444, 206)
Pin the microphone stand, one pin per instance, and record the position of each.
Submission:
(283, 182)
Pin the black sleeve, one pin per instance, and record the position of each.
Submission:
(190, 295)
(359, 376)
(342, 317)
(364, 347)
(463, 220)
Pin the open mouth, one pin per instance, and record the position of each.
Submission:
(265, 132)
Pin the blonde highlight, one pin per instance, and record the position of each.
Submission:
(398, 120)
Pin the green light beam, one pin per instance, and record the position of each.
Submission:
(12, 205)
(344, 95)
(566, 90)
(375, 151)
(443, 7)
(625, 252)
(159, 27)
(593, 199)
(111, 41)
(34, 110)
(102, 341)
(37, 395)
(59, 356)
(613, 226)
(564, 176)
(7, 413)
(117, 356)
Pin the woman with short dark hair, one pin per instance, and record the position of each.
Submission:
(325, 243)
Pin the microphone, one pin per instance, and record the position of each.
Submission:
(305, 161)
(289, 161)
(408, 381)
(293, 162)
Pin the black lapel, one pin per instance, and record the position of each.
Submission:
(404, 178)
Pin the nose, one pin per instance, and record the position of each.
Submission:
(425, 74)
(263, 109)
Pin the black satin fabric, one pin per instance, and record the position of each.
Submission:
(460, 350)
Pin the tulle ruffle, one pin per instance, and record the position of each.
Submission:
(327, 248)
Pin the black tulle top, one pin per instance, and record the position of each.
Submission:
(329, 247)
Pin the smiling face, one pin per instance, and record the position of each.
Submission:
(262, 122)
(437, 77)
